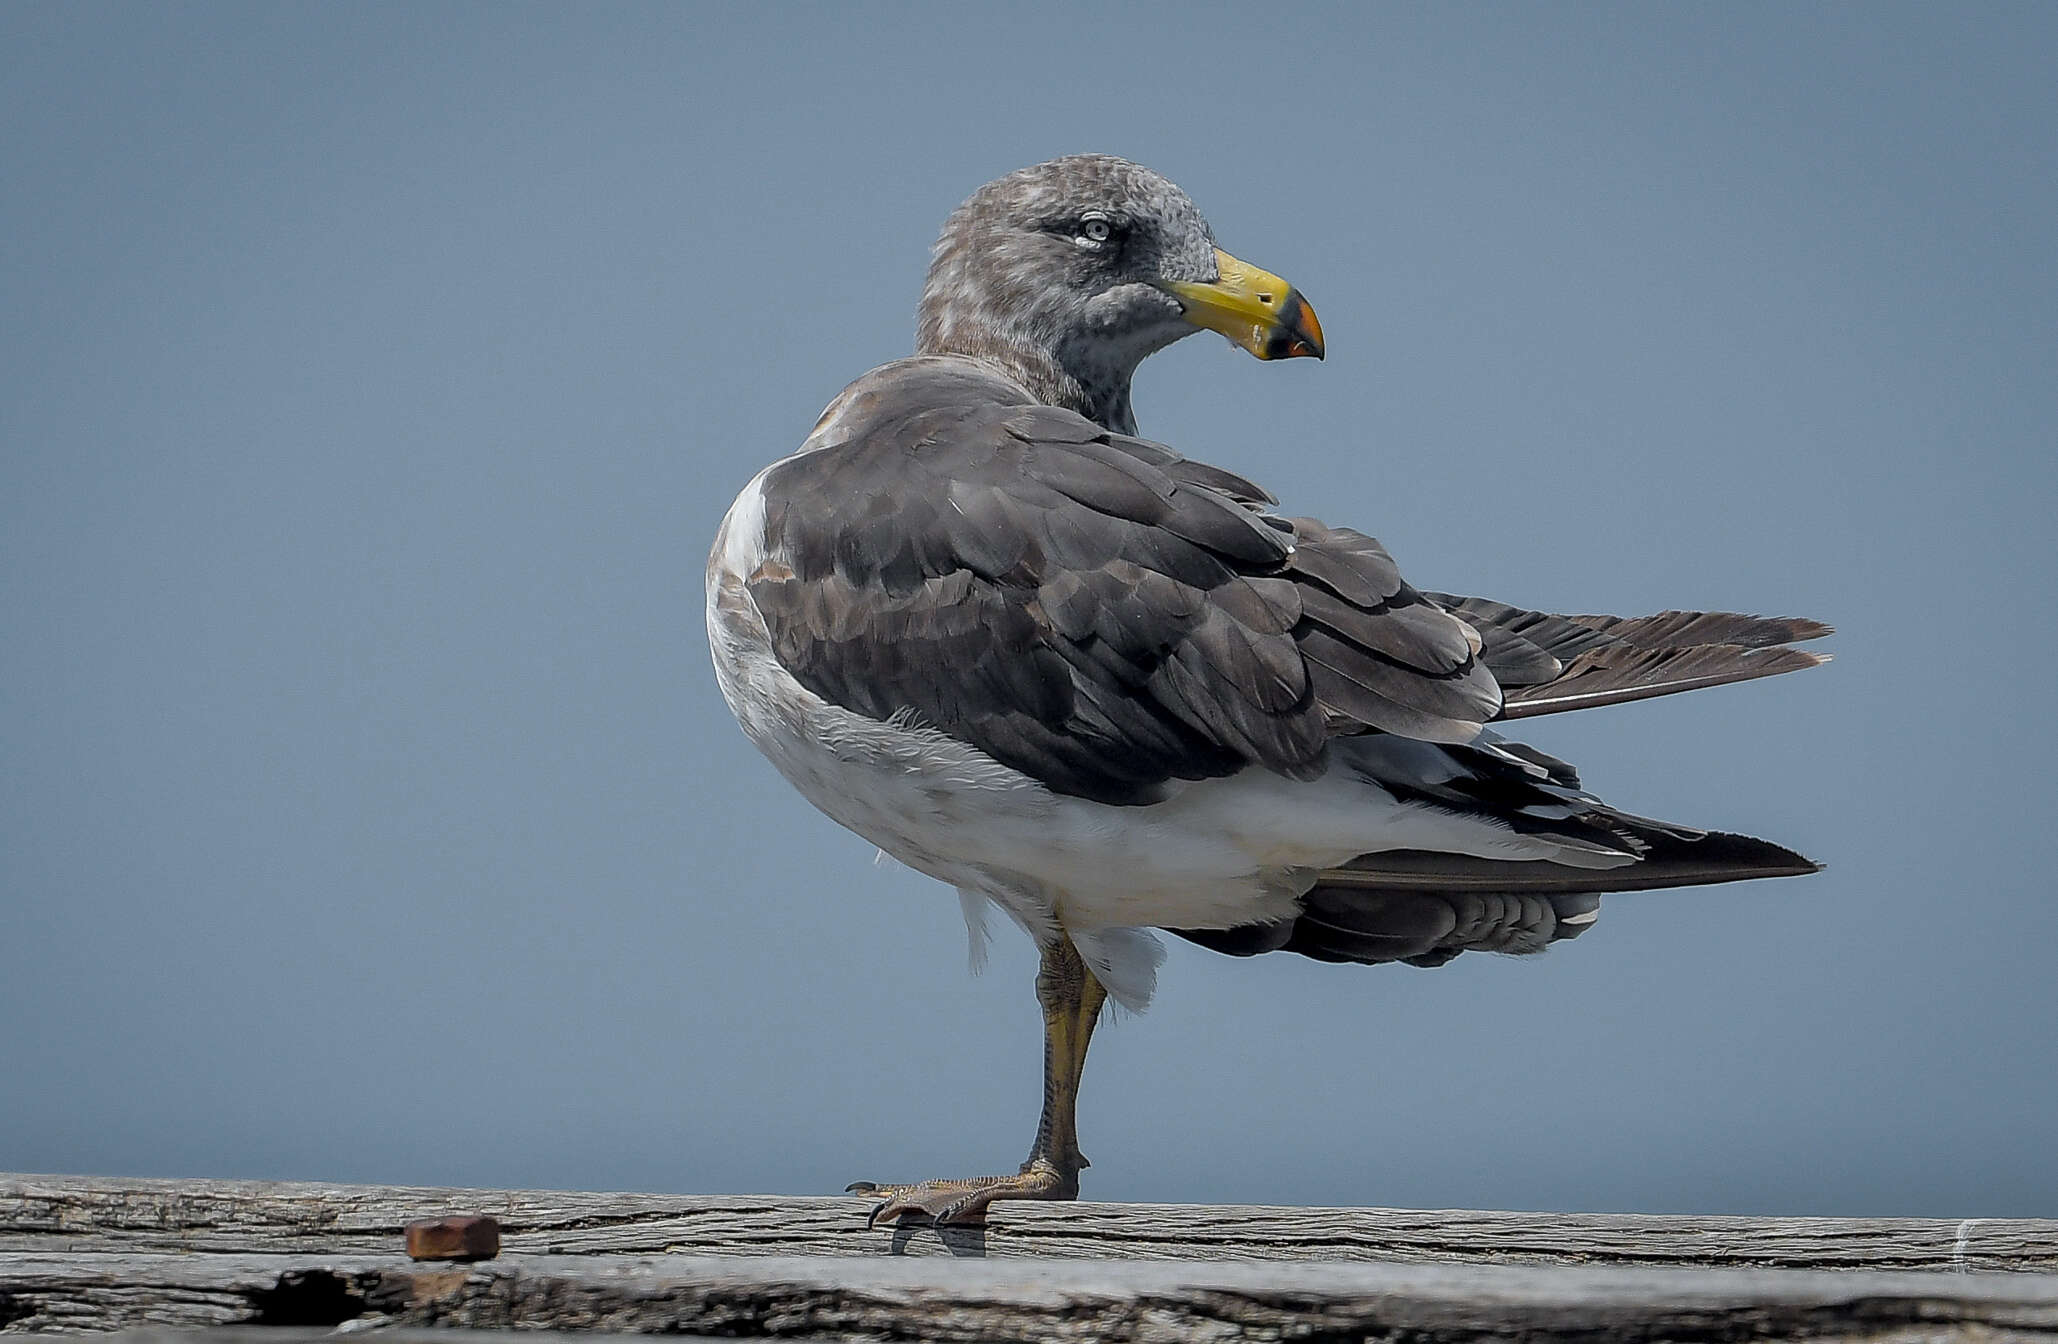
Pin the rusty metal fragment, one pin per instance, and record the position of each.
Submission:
(465, 1236)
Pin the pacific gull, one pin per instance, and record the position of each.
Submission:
(1111, 690)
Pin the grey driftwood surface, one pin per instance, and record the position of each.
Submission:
(81, 1254)
(814, 1297)
(53, 1214)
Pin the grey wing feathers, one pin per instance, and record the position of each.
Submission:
(1087, 607)
(1104, 615)
(1547, 664)
(1383, 654)
(1068, 608)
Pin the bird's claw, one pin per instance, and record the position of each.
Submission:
(947, 1202)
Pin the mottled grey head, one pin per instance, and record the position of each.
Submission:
(1070, 273)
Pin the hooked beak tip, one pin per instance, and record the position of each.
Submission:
(1298, 335)
(1254, 309)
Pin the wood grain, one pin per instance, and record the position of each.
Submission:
(82, 1214)
(791, 1296)
(93, 1254)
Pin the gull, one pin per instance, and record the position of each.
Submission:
(1111, 690)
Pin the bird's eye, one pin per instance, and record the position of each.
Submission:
(1094, 230)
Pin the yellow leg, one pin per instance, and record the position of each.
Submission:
(1071, 1000)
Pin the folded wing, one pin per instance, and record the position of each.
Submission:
(1087, 607)
(1106, 616)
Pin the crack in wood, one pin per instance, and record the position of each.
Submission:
(307, 1297)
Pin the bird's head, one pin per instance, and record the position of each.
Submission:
(1071, 272)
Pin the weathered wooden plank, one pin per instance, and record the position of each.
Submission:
(81, 1214)
(882, 1298)
(390, 1334)
(396, 1334)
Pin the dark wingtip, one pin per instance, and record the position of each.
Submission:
(1754, 857)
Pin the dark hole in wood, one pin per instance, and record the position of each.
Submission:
(307, 1297)
(14, 1309)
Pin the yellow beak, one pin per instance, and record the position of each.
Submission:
(1254, 308)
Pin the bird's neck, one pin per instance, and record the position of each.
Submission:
(1101, 394)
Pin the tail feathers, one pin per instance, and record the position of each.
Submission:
(1426, 908)
(1684, 629)
(1547, 664)
(1614, 676)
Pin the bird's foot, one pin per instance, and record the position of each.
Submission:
(965, 1201)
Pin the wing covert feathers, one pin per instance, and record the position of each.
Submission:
(1084, 606)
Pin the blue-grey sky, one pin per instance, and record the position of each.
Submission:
(375, 377)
